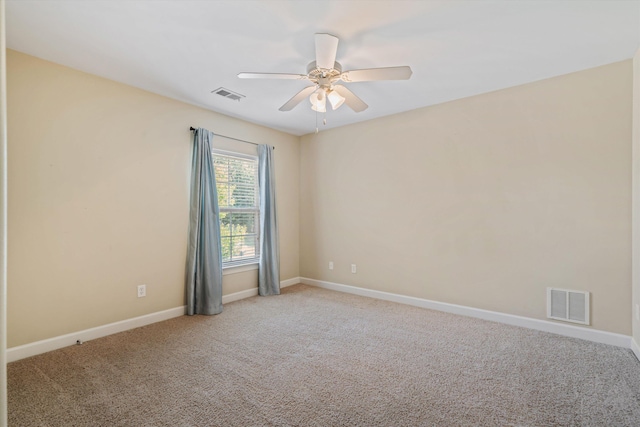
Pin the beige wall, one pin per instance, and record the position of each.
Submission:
(99, 196)
(636, 195)
(483, 201)
(3, 220)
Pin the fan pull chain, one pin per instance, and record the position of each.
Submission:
(316, 122)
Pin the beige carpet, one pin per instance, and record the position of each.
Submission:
(312, 357)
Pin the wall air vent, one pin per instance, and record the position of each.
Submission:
(569, 306)
(228, 94)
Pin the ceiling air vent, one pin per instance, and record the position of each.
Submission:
(570, 306)
(228, 94)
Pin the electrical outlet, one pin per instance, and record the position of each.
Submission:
(330, 265)
(142, 291)
(353, 268)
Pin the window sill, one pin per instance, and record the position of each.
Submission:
(234, 269)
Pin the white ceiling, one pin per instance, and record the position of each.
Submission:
(186, 49)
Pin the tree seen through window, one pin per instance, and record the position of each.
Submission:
(237, 185)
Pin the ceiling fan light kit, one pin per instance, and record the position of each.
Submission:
(335, 99)
(318, 101)
(325, 73)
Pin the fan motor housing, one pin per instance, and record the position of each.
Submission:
(317, 73)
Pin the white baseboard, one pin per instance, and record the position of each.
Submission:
(50, 344)
(38, 347)
(595, 335)
(635, 348)
(254, 291)
(239, 295)
(289, 282)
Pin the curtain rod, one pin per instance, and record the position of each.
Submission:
(230, 137)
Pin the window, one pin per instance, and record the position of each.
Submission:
(237, 184)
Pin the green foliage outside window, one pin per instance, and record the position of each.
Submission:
(237, 184)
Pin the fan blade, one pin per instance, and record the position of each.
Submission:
(389, 73)
(326, 48)
(355, 103)
(272, 76)
(297, 98)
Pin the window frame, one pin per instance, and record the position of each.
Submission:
(247, 263)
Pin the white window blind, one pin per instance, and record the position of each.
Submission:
(237, 184)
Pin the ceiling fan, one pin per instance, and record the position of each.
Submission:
(325, 73)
